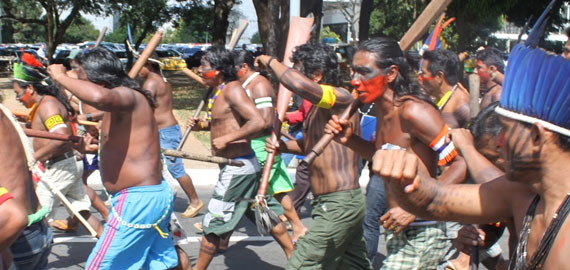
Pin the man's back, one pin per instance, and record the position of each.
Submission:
(130, 151)
(162, 92)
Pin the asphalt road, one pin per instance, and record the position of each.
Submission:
(247, 250)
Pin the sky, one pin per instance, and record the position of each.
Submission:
(246, 8)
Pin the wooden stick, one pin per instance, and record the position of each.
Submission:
(422, 23)
(474, 94)
(320, 146)
(196, 114)
(101, 36)
(204, 158)
(141, 61)
(299, 33)
(193, 76)
(238, 32)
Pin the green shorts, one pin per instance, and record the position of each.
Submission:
(233, 195)
(334, 239)
(279, 180)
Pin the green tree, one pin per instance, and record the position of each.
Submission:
(56, 19)
(195, 23)
(81, 30)
(255, 38)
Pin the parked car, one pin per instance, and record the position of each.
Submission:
(171, 59)
(191, 55)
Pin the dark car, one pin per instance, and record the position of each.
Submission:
(191, 55)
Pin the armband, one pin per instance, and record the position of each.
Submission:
(446, 151)
(4, 195)
(329, 97)
(264, 102)
(54, 122)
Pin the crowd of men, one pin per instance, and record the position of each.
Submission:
(443, 183)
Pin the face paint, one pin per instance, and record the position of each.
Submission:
(369, 90)
(482, 71)
(241, 72)
(210, 74)
(24, 98)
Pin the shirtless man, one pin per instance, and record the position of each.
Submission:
(51, 112)
(439, 76)
(232, 121)
(169, 132)
(534, 191)
(17, 214)
(489, 63)
(259, 89)
(334, 239)
(406, 120)
(141, 202)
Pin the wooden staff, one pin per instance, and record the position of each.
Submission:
(299, 33)
(231, 45)
(145, 55)
(204, 158)
(474, 94)
(422, 23)
(101, 35)
(320, 146)
(420, 26)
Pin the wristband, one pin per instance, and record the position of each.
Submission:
(269, 62)
(89, 117)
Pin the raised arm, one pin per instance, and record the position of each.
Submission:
(430, 199)
(104, 99)
(298, 83)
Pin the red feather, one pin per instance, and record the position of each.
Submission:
(30, 60)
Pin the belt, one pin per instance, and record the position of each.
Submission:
(59, 158)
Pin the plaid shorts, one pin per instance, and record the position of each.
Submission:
(416, 247)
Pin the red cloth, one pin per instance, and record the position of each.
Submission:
(298, 116)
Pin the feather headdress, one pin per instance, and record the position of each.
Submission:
(537, 84)
(29, 69)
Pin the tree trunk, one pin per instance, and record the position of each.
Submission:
(50, 25)
(262, 11)
(283, 23)
(366, 7)
(221, 14)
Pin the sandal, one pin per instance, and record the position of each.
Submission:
(63, 226)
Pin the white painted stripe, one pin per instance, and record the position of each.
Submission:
(263, 99)
(190, 239)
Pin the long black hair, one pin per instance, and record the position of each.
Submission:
(104, 67)
(48, 87)
(387, 53)
(316, 56)
(222, 60)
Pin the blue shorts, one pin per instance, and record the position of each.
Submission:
(32, 247)
(169, 139)
(123, 245)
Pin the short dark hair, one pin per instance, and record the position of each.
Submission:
(244, 57)
(492, 56)
(105, 68)
(446, 62)
(387, 53)
(486, 122)
(154, 66)
(221, 59)
(316, 56)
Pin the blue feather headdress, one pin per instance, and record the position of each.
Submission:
(537, 84)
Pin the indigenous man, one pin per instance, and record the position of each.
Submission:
(536, 145)
(259, 89)
(169, 131)
(232, 120)
(334, 239)
(19, 206)
(439, 76)
(51, 112)
(406, 120)
(141, 202)
(489, 64)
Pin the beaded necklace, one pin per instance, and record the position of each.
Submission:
(212, 100)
